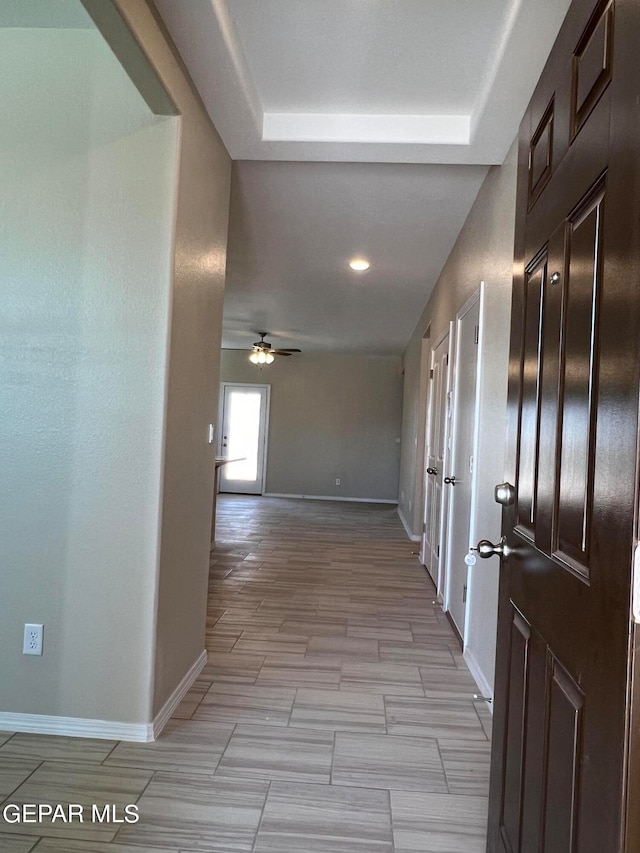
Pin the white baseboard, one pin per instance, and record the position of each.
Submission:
(329, 498)
(485, 688)
(164, 714)
(411, 535)
(44, 724)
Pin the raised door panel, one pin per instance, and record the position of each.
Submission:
(563, 760)
(516, 718)
(533, 320)
(592, 64)
(578, 382)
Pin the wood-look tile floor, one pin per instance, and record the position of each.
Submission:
(335, 714)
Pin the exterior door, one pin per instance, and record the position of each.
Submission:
(459, 482)
(565, 641)
(244, 436)
(434, 524)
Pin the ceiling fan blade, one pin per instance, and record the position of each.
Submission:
(279, 352)
(287, 351)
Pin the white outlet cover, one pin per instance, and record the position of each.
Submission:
(32, 643)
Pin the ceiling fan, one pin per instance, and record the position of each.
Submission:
(263, 352)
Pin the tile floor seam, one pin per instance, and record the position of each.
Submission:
(111, 751)
(4, 800)
(222, 754)
(262, 811)
(153, 775)
(444, 769)
(475, 706)
(333, 757)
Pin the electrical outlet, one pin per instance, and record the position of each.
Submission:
(337, 481)
(32, 644)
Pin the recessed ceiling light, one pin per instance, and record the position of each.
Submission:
(359, 264)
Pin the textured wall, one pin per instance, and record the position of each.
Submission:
(201, 224)
(84, 295)
(332, 416)
(483, 252)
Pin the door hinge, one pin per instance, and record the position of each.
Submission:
(477, 335)
(464, 594)
(431, 374)
(424, 527)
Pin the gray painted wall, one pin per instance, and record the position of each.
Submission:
(111, 331)
(85, 285)
(332, 416)
(483, 252)
(200, 237)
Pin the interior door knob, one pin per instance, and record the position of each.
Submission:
(450, 481)
(432, 471)
(487, 549)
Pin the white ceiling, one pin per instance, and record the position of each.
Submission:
(417, 81)
(385, 115)
(295, 226)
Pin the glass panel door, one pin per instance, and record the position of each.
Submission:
(244, 423)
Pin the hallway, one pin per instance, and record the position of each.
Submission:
(335, 715)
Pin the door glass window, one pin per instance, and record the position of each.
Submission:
(243, 435)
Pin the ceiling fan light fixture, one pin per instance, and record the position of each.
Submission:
(264, 353)
(359, 264)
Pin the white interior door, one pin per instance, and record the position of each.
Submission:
(245, 411)
(436, 448)
(459, 489)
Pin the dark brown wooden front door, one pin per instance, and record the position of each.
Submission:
(565, 635)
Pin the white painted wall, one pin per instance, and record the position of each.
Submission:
(483, 252)
(332, 416)
(87, 179)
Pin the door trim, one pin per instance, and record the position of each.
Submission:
(477, 298)
(450, 331)
(474, 535)
(267, 410)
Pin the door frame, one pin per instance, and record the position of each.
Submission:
(429, 414)
(267, 410)
(477, 298)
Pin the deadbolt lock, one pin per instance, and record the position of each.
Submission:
(505, 494)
